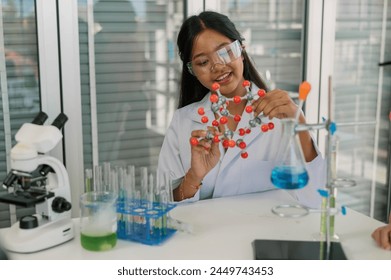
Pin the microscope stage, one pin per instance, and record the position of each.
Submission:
(25, 198)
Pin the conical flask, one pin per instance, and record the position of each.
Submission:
(289, 172)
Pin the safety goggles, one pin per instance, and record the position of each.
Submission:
(205, 63)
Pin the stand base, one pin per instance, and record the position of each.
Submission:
(37, 239)
(296, 250)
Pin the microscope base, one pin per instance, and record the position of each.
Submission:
(37, 239)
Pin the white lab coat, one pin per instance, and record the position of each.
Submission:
(233, 175)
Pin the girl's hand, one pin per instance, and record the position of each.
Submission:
(205, 155)
(275, 104)
(278, 104)
(382, 236)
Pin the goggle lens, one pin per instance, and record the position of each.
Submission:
(225, 55)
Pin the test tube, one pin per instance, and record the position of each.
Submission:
(166, 197)
(107, 178)
(141, 197)
(113, 181)
(129, 198)
(150, 191)
(168, 186)
(111, 184)
(163, 199)
(132, 175)
(130, 184)
(144, 183)
(150, 194)
(98, 178)
(88, 183)
(136, 210)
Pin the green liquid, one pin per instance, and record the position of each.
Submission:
(98, 243)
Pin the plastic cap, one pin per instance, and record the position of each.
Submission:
(304, 90)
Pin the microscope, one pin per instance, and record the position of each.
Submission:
(39, 180)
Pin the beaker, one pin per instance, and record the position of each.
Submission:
(289, 172)
(98, 220)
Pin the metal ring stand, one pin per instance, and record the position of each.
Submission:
(299, 211)
(343, 183)
(279, 211)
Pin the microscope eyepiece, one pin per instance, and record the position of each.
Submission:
(60, 121)
(40, 118)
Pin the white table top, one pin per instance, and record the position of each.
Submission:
(223, 229)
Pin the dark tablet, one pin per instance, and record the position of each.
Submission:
(296, 250)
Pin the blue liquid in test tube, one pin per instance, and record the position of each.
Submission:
(289, 177)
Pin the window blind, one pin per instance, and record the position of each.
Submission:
(22, 82)
(273, 32)
(357, 53)
(133, 68)
(274, 39)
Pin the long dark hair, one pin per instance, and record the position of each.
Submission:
(191, 90)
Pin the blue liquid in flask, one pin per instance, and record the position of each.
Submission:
(289, 177)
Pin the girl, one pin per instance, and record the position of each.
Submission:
(212, 51)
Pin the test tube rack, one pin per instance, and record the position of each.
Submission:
(143, 222)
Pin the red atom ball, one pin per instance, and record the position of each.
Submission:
(270, 125)
(201, 111)
(193, 141)
(242, 132)
(215, 86)
(261, 93)
(249, 109)
(204, 119)
(242, 145)
(237, 99)
(223, 120)
(246, 83)
(237, 118)
(244, 155)
(214, 98)
(215, 123)
(264, 127)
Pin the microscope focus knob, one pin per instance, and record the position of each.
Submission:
(28, 222)
(60, 205)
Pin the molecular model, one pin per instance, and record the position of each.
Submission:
(219, 108)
